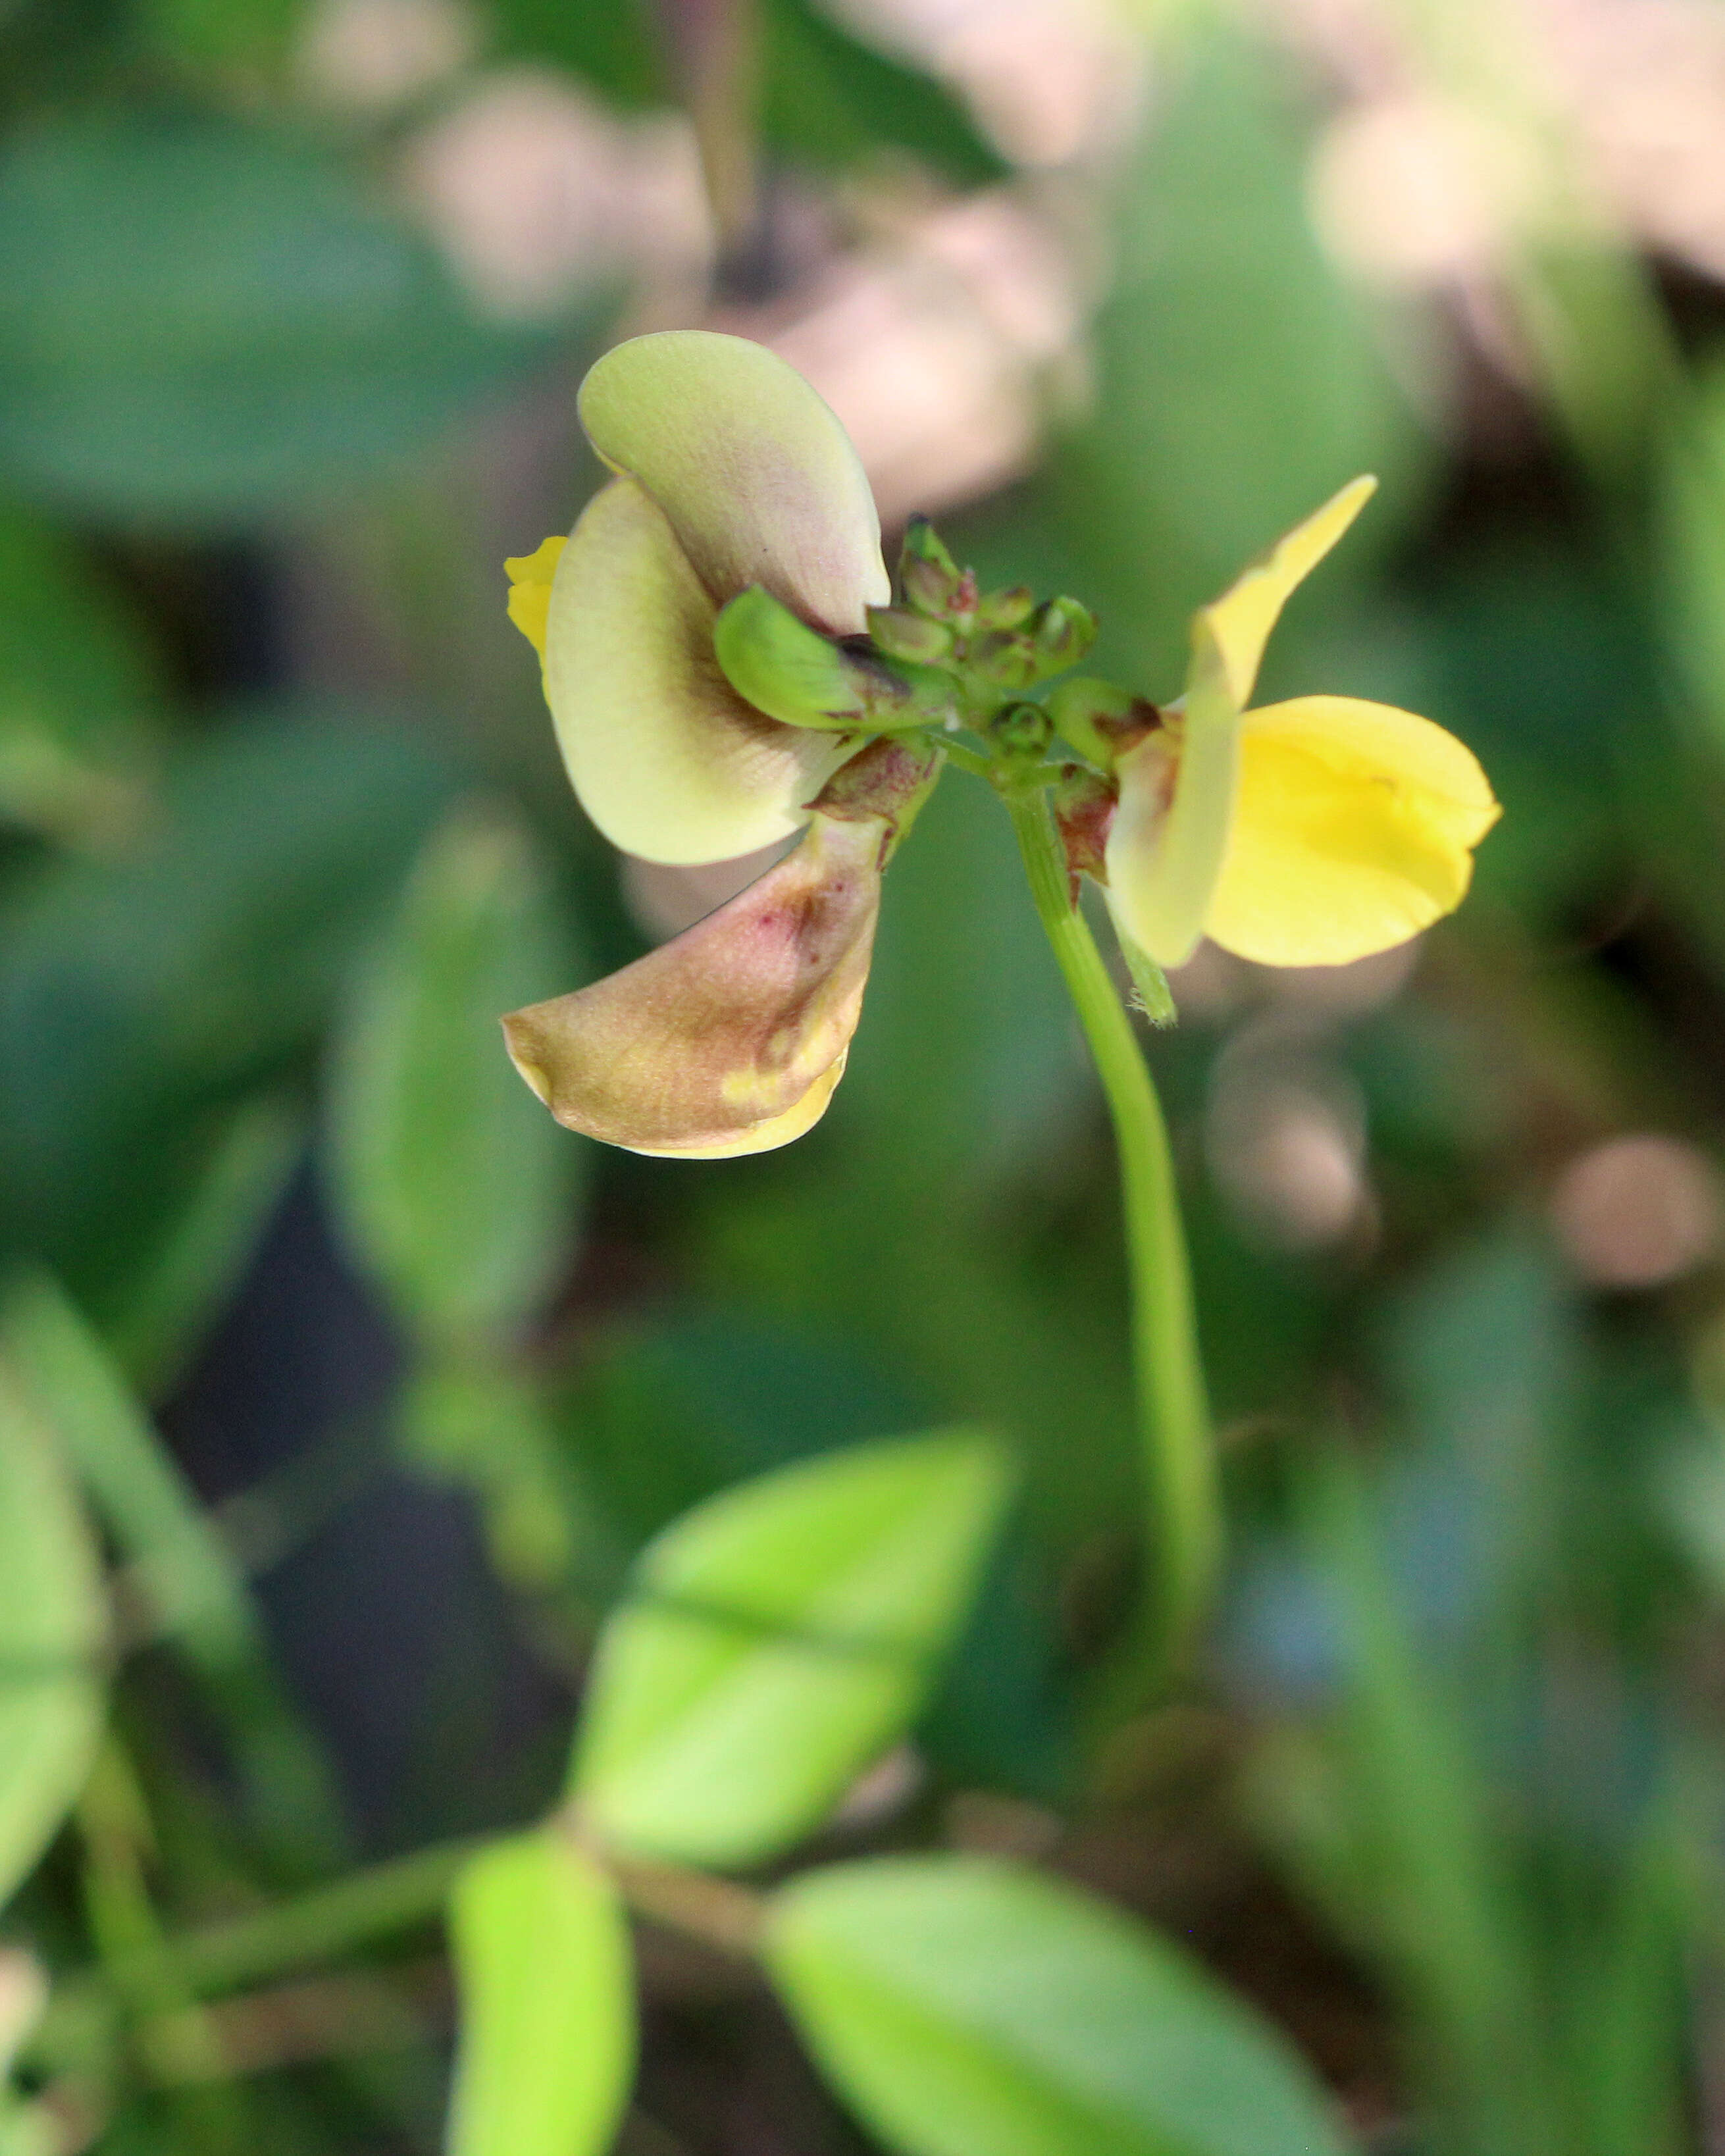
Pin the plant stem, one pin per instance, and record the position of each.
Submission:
(1183, 1533)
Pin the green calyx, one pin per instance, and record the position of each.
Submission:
(943, 658)
(1101, 720)
(793, 673)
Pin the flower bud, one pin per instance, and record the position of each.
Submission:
(1007, 661)
(790, 671)
(902, 635)
(931, 581)
(1007, 609)
(1064, 630)
(1024, 729)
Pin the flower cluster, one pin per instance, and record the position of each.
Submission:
(727, 663)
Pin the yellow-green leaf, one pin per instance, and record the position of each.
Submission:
(544, 1975)
(53, 1622)
(775, 1639)
(970, 2008)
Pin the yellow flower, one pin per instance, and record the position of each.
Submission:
(731, 472)
(1303, 833)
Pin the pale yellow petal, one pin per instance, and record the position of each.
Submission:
(730, 1038)
(667, 759)
(1354, 829)
(769, 1136)
(530, 577)
(1169, 835)
(758, 479)
(1242, 619)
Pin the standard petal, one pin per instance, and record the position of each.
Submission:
(668, 760)
(1169, 835)
(757, 476)
(1242, 619)
(530, 580)
(1354, 829)
(730, 1039)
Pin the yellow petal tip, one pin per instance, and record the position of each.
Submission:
(530, 576)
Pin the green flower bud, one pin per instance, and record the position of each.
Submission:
(1064, 630)
(790, 671)
(1025, 729)
(1006, 660)
(1101, 720)
(1007, 609)
(902, 635)
(931, 581)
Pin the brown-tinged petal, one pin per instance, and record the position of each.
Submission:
(758, 479)
(668, 760)
(730, 1039)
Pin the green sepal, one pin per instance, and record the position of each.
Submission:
(790, 671)
(1099, 718)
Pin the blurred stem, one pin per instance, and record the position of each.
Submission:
(365, 1905)
(175, 2040)
(1183, 1533)
(715, 49)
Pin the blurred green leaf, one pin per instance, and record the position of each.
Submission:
(544, 1974)
(53, 1633)
(187, 1579)
(1238, 383)
(968, 2008)
(1692, 535)
(775, 1639)
(827, 97)
(831, 98)
(166, 1304)
(483, 1423)
(614, 47)
(457, 1189)
(224, 33)
(669, 1410)
(206, 322)
(675, 1411)
(142, 996)
(1433, 1886)
(79, 695)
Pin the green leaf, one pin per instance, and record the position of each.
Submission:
(53, 1630)
(775, 1639)
(142, 995)
(828, 98)
(612, 47)
(205, 321)
(968, 2008)
(79, 697)
(834, 99)
(164, 1307)
(186, 1578)
(483, 1422)
(458, 1191)
(543, 1970)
